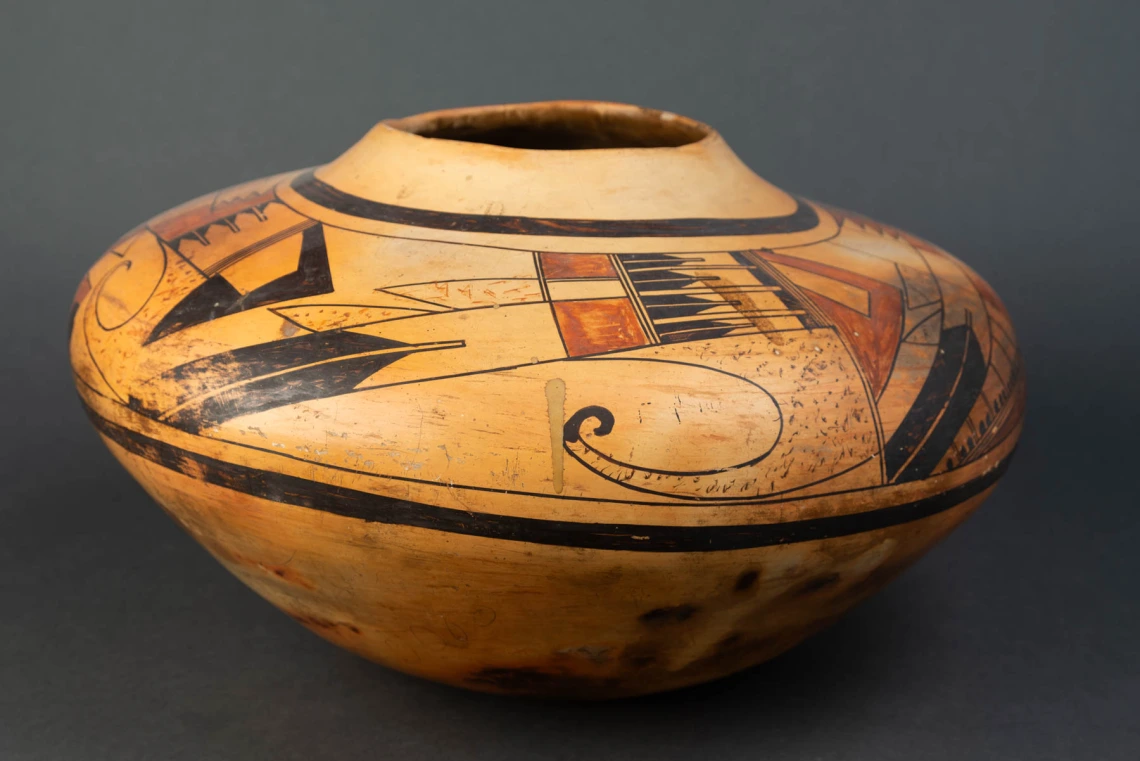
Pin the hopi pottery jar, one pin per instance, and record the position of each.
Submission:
(554, 399)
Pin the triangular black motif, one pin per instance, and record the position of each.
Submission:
(282, 372)
(217, 297)
(208, 301)
(311, 278)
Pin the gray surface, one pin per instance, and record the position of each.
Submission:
(1006, 131)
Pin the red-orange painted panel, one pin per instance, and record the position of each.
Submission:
(873, 340)
(566, 266)
(192, 216)
(598, 325)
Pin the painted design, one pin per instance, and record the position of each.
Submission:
(218, 296)
(311, 188)
(376, 508)
(467, 377)
(749, 376)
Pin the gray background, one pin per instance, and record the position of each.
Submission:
(1006, 131)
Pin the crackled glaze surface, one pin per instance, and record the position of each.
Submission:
(590, 422)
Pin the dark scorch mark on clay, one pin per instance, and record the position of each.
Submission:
(816, 584)
(671, 615)
(746, 580)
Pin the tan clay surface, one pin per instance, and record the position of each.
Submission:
(581, 419)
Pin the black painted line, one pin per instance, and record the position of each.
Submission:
(536, 260)
(261, 245)
(291, 320)
(823, 322)
(186, 259)
(942, 391)
(898, 346)
(440, 307)
(956, 412)
(457, 280)
(89, 387)
(88, 307)
(919, 324)
(603, 279)
(500, 247)
(376, 508)
(634, 296)
(314, 190)
(771, 498)
(681, 267)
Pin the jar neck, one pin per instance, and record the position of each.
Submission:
(562, 159)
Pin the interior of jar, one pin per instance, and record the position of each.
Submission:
(556, 127)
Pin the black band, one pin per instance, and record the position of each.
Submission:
(352, 503)
(309, 187)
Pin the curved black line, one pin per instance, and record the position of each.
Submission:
(460, 280)
(376, 508)
(571, 431)
(722, 501)
(290, 204)
(312, 189)
(126, 264)
(898, 346)
(80, 379)
(571, 434)
(88, 309)
(919, 324)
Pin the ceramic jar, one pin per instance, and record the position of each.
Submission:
(555, 398)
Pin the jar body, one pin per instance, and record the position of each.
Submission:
(539, 452)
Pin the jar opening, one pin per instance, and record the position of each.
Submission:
(558, 127)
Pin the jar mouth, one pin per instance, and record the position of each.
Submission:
(558, 126)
